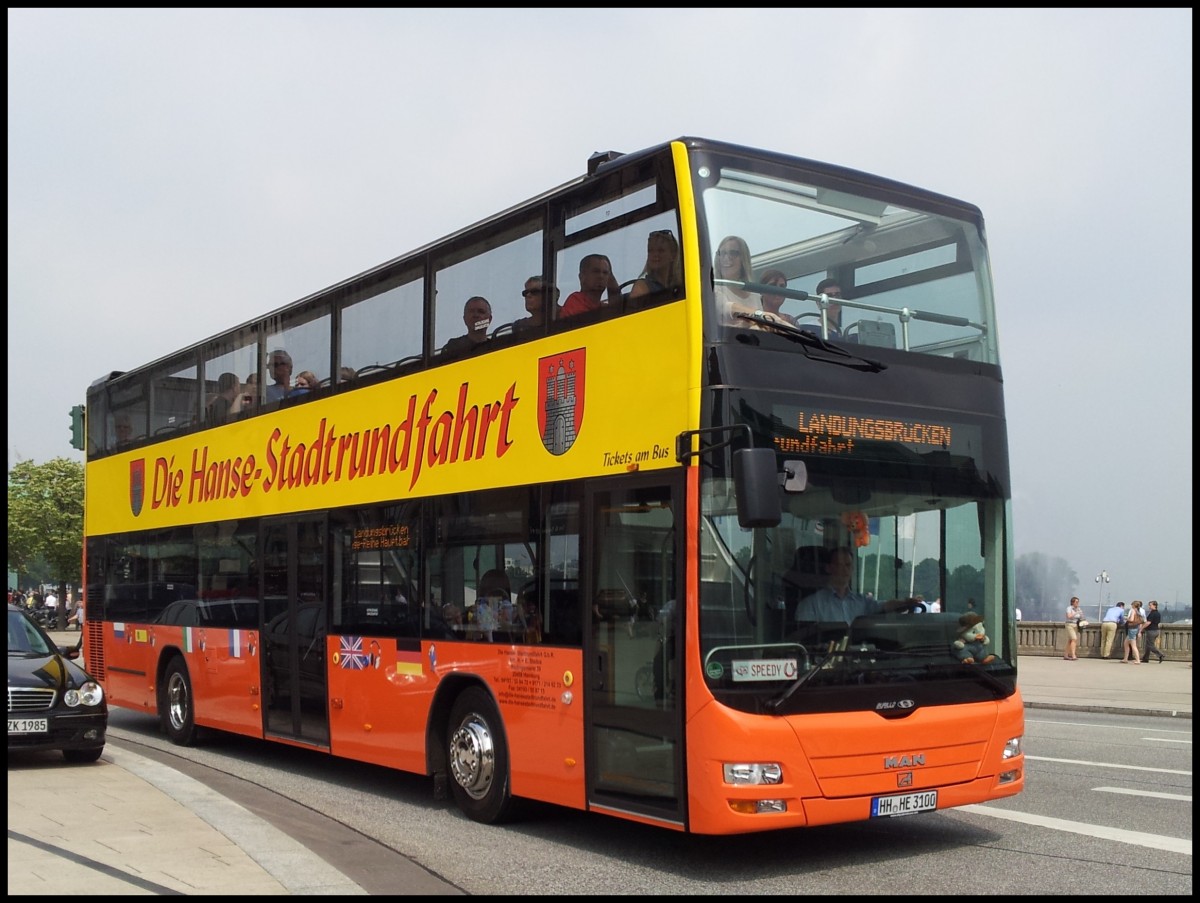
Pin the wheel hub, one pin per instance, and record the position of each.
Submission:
(473, 757)
(177, 701)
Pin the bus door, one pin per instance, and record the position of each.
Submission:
(295, 689)
(634, 529)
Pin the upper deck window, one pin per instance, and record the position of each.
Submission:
(907, 278)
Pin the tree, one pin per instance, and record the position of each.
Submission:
(45, 519)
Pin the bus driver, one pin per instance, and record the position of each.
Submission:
(836, 601)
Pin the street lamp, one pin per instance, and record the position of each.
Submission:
(1101, 579)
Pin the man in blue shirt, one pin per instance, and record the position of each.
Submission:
(1113, 619)
(836, 601)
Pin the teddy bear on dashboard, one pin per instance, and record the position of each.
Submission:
(971, 645)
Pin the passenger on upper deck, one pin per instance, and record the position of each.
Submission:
(538, 300)
(229, 399)
(477, 317)
(306, 381)
(279, 365)
(662, 270)
(596, 279)
(250, 392)
(831, 289)
(772, 303)
(733, 262)
(123, 429)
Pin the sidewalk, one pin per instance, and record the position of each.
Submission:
(129, 824)
(140, 827)
(1100, 685)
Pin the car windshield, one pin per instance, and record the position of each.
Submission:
(24, 638)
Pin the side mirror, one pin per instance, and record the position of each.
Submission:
(795, 476)
(756, 482)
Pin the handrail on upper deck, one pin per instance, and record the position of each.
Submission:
(903, 314)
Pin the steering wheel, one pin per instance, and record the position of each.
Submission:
(912, 607)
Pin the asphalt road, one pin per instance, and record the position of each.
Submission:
(1107, 806)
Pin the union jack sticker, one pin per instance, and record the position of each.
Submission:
(350, 653)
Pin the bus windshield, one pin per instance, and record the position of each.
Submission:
(843, 265)
(891, 547)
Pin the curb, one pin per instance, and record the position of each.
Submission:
(1108, 709)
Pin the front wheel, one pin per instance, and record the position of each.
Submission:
(176, 708)
(478, 758)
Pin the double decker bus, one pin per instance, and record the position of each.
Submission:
(677, 558)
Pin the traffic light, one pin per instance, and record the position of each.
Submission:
(77, 427)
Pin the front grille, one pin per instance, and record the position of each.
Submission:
(23, 700)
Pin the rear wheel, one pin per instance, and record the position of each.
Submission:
(175, 704)
(478, 758)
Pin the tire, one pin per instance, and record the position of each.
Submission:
(176, 707)
(80, 756)
(477, 757)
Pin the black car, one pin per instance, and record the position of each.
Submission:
(52, 702)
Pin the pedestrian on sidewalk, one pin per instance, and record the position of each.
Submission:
(1133, 626)
(1113, 619)
(1074, 623)
(76, 618)
(1153, 632)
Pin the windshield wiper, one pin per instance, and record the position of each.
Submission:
(775, 704)
(810, 340)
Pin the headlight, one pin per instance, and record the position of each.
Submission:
(752, 773)
(91, 693)
(1012, 748)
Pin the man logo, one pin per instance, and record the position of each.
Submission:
(137, 485)
(560, 399)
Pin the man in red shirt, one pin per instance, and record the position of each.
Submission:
(595, 278)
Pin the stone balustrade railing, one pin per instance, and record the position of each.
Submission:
(1050, 638)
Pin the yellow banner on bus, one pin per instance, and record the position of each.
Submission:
(604, 399)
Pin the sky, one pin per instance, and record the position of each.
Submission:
(173, 173)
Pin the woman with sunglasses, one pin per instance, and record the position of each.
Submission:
(536, 304)
(662, 272)
(733, 263)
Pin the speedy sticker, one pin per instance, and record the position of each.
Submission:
(765, 669)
